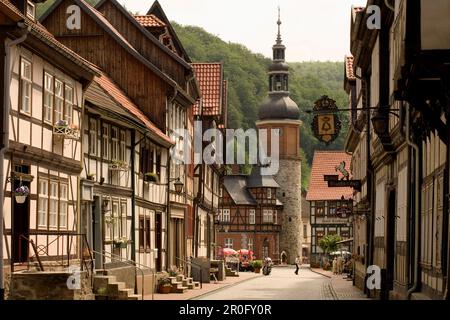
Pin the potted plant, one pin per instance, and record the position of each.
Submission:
(151, 177)
(164, 284)
(91, 176)
(21, 194)
(257, 265)
(121, 243)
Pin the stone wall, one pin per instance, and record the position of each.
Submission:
(48, 286)
(289, 178)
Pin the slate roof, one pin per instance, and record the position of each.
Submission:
(236, 187)
(325, 163)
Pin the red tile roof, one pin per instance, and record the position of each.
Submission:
(210, 79)
(149, 21)
(325, 163)
(119, 96)
(349, 68)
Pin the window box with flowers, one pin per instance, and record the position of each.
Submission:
(63, 129)
(121, 243)
(21, 194)
(118, 165)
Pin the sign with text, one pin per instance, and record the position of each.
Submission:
(355, 184)
(326, 124)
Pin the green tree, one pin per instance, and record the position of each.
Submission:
(329, 243)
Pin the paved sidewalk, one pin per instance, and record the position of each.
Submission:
(339, 288)
(207, 288)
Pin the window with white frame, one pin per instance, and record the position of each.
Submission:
(59, 100)
(123, 216)
(105, 141)
(49, 91)
(220, 215)
(269, 193)
(123, 146)
(250, 244)
(108, 220)
(252, 216)
(114, 143)
(63, 205)
(68, 107)
(275, 217)
(267, 216)
(43, 204)
(226, 214)
(116, 217)
(53, 212)
(93, 136)
(229, 243)
(26, 85)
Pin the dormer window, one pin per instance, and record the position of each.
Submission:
(31, 10)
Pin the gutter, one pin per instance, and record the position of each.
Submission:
(416, 205)
(5, 140)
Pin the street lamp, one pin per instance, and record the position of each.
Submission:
(178, 186)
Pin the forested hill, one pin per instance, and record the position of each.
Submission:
(248, 84)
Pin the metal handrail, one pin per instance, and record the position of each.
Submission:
(194, 265)
(136, 265)
(83, 244)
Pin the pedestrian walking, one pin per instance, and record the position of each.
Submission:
(297, 264)
(335, 266)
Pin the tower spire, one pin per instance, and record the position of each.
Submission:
(279, 26)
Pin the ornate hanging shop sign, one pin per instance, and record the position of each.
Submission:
(326, 124)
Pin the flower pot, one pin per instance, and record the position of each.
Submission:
(164, 289)
(21, 199)
(257, 270)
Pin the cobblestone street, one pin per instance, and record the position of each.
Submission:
(283, 284)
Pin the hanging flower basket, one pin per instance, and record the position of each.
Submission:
(121, 243)
(21, 194)
(118, 166)
(62, 129)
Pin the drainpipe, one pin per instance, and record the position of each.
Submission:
(416, 204)
(5, 140)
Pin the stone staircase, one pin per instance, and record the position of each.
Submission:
(108, 288)
(180, 284)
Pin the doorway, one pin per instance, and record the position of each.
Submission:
(390, 242)
(20, 226)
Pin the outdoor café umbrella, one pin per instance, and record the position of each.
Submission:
(244, 252)
(229, 252)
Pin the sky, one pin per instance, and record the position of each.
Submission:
(312, 30)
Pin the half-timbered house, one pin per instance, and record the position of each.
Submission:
(122, 47)
(42, 105)
(328, 205)
(250, 214)
(210, 111)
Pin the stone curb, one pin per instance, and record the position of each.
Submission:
(322, 274)
(224, 287)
